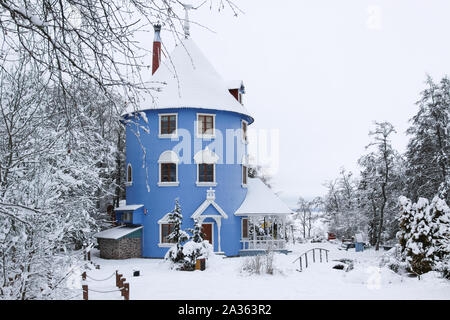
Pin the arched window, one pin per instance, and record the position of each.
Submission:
(168, 169)
(129, 175)
(206, 167)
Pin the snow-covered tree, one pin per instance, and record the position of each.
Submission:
(90, 40)
(178, 236)
(51, 178)
(428, 160)
(424, 235)
(406, 219)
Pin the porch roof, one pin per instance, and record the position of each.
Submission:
(261, 201)
(116, 233)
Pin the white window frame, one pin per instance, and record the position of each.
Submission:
(205, 136)
(168, 183)
(168, 135)
(203, 183)
(129, 182)
(164, 220)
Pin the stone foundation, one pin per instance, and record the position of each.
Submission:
(124, 248)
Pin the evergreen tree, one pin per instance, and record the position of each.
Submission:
(429, 147)
(405, 221)
(419, 247)
(178, 236)
(440, 230)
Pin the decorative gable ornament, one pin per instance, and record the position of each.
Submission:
(206, 156)
(210, 201)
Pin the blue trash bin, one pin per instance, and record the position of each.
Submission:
(359, 246)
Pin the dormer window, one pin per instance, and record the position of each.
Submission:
(205, 125)
(168, 124)
(129, 175)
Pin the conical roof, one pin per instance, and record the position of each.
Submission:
(188, 80)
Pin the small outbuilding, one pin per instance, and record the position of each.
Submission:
(121, 242)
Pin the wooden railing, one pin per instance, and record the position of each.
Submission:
(305, 257)
(263, 243)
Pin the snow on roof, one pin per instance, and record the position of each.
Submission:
(191, 82)
(129, 207)
(260, 200)
(234, 84)
(116, 233)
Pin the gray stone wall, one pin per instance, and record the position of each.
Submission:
(124, 248)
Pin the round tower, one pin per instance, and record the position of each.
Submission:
(188, 142)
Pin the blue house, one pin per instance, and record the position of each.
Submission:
(189, 141)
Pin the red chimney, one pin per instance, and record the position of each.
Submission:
(156, 48)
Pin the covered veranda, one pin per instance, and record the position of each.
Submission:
(263, 220)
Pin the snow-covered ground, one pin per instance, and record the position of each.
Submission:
(223, 279)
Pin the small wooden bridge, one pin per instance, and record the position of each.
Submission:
(304, 257)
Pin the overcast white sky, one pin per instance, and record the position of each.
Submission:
(321, 71)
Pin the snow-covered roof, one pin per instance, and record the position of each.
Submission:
(116, 233)
(129, 207)
(260, 200)
(234, 84)
(190, 82)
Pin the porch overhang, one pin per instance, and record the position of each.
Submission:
(261, 201)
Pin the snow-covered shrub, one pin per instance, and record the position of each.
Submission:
(424, 234)
(252, 264)
(391, 259)
(195, 250)
(259, 264)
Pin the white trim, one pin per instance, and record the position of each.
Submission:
(206, 183)
(208, 202)
(168, 135)
(163, 220)
(212, 231)
(206, 156)
(205, 136)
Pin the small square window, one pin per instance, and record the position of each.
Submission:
(168, 172)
